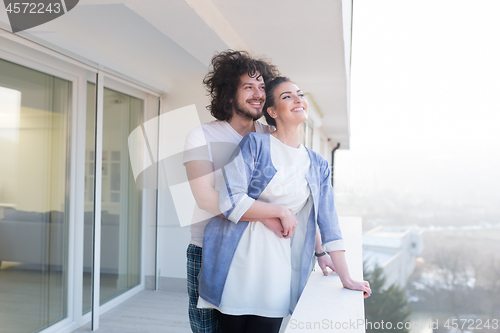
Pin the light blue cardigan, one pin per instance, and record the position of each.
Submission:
(248, 173)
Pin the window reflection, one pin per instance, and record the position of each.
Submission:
(34, 114)
(121, 200)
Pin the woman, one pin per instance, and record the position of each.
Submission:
(253, 277)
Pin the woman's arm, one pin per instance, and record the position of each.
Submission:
(324, 261)
(202, 182)
(261, 209)
(338, 258)
(331, 234)
(245, 180)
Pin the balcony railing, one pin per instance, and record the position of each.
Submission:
(325, 306)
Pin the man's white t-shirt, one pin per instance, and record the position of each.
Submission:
(215, 142)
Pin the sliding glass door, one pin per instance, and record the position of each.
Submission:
(121, 198)
(48, 182)
(121, 202)
(34, 168)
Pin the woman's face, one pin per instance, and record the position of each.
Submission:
(290, 105)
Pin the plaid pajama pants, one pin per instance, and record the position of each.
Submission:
(201, 320)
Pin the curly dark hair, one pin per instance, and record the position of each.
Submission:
(223, 79)
(270, 88)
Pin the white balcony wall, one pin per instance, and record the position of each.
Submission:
(325, 306)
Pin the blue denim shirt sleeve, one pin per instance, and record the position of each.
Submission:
(327, 219)
(233, 199)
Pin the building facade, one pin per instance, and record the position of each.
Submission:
(395, 250)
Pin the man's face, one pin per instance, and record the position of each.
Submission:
(250, 97)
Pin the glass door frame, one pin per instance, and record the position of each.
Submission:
(103, 80)
(26, 53)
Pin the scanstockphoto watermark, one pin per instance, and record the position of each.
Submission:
(26, 14)
(328, 324)
(160, 147)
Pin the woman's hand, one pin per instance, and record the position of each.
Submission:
(338, 259)
(359, 285)
(288, 222)
(324, 262)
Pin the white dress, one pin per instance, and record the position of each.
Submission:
(260, 278)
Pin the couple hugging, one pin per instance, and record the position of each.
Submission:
(270, 198)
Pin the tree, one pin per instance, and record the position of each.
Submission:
(494, 287)
(389, 305)
(460, 281)
(457, 270)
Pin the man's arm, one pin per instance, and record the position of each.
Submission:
(202, 182)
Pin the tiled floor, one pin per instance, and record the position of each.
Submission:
(147, 312)
(31, 298)
(22, 307)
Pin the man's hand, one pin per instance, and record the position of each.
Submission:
(324, 262)
(274, 225)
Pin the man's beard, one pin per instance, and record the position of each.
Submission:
(245, 112)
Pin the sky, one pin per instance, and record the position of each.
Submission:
(425, 100)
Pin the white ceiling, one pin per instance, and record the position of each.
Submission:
(305, 39)
(159, 41)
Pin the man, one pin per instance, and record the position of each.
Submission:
(236, 85)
